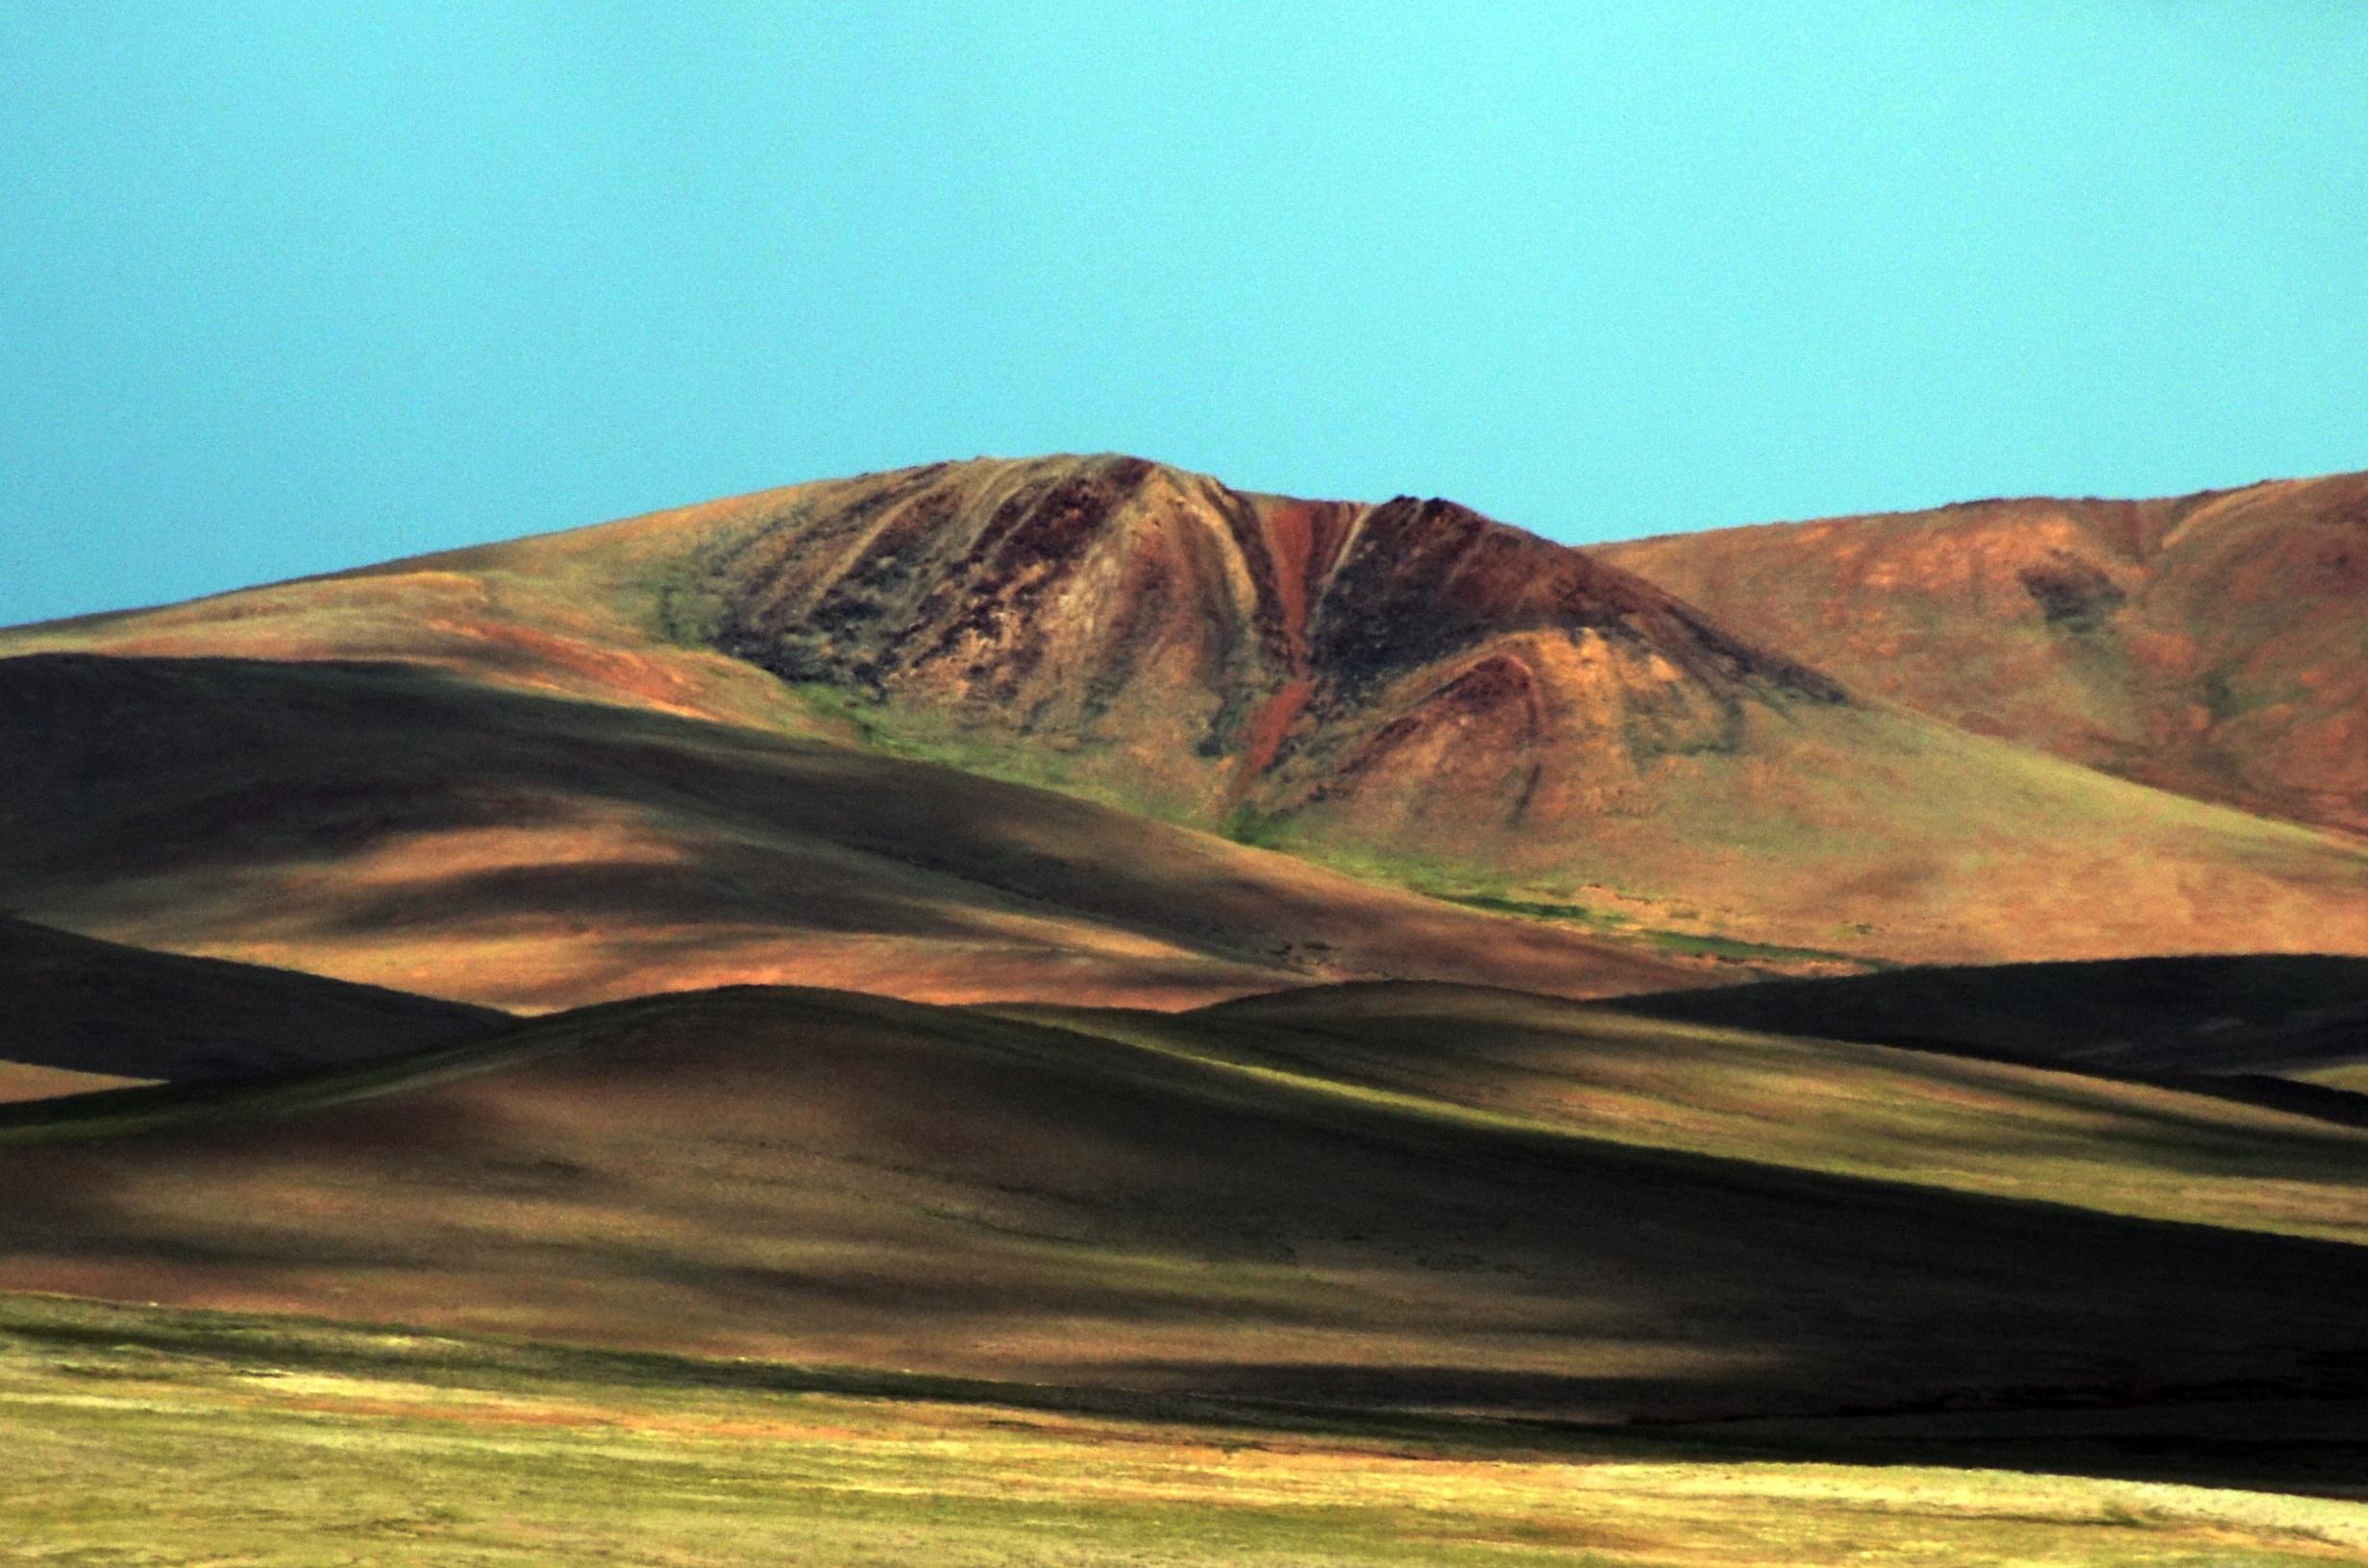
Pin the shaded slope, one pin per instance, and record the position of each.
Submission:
(82, 1007)
(1597, 1070)
(2214, 644)
(2204, 1014)
(829, 1178)
(403, 826)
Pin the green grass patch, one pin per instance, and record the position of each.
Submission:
(134, 1435)
(1614, 923)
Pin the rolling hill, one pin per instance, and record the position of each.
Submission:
(818, 1177)
(1634, 1072)
(399, 825)
(1406, 691)
(2214, 644)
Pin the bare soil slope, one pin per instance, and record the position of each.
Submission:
(2214, 644)
(1413, 691)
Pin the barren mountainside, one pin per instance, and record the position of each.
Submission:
(1404, 691)
(1412, 689)
(2214, 644)
(1233, 647)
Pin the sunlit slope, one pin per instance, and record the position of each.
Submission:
(2236, 1013)
(2214, 644)
(1597, 1071)
(138, 1433)
(1419, 692)
(1885, 836)
(1407, 691)
(410, 828)
(827, 1178)
(29, 1081)
(579, 615)
(76, 1007)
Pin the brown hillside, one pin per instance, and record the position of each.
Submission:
(403, 826)
(2215, 644)
(1199, 647)
(821, 1178)
(1405, 691)
(1413, 691)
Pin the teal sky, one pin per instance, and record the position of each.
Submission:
(282, 290)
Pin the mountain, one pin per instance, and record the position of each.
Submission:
(1197, 647)
(394, 824)
(79, 1007)
(1404, 691)
(2215, 644)
(1140, 962)
(814, 1177)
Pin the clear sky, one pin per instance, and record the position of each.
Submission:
(287, 288)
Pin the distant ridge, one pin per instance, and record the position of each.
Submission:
(2214, 644)
(1411, 689)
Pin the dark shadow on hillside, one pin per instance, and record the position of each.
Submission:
(251, 777)
(2139, 1016)
(71, 1001)
(753, 1171)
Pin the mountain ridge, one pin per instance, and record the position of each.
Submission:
(2214, 644)
(1403, 690)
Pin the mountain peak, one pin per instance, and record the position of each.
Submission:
(1212, 635)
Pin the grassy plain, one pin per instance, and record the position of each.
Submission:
(156, 1438)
